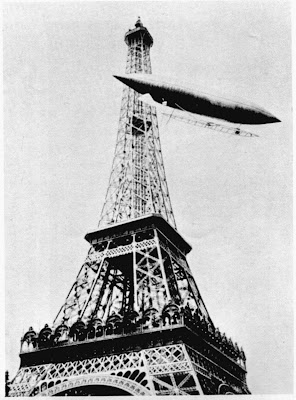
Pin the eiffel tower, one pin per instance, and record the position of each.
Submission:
(134, 322)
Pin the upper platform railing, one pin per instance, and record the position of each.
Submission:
(115, 326)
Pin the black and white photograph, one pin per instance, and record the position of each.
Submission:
(148, 198)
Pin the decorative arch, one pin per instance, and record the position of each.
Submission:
(119, 382)
(224, 389)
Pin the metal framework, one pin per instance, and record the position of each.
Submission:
(137, 183)
(130, 273)
(134, 321)
(192, 120)
(166, 370)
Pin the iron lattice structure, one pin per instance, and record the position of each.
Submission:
(137, 183)
(134, 321)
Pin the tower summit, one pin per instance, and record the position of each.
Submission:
(138, 35)
(134, 321)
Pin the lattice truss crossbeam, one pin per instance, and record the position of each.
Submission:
(143, 274)
(160, 370)
(137, 183)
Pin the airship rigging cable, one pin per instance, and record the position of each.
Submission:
(190, 119)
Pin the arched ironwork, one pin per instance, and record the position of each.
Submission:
(120, 382)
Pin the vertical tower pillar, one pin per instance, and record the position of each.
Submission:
(137, 183)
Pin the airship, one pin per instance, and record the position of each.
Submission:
(197, 100)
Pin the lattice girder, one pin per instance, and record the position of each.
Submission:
(170, 369)
(137, 184)
(153, 365)
(120, 278)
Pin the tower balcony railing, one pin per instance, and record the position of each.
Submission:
(171, 317)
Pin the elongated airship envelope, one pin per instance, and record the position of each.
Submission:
(198, 101)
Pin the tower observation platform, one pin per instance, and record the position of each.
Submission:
(134, 321)
(139, 34)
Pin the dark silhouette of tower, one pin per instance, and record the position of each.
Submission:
(6, 383)
(134, 321)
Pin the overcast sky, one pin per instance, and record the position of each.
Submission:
(231, 196)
